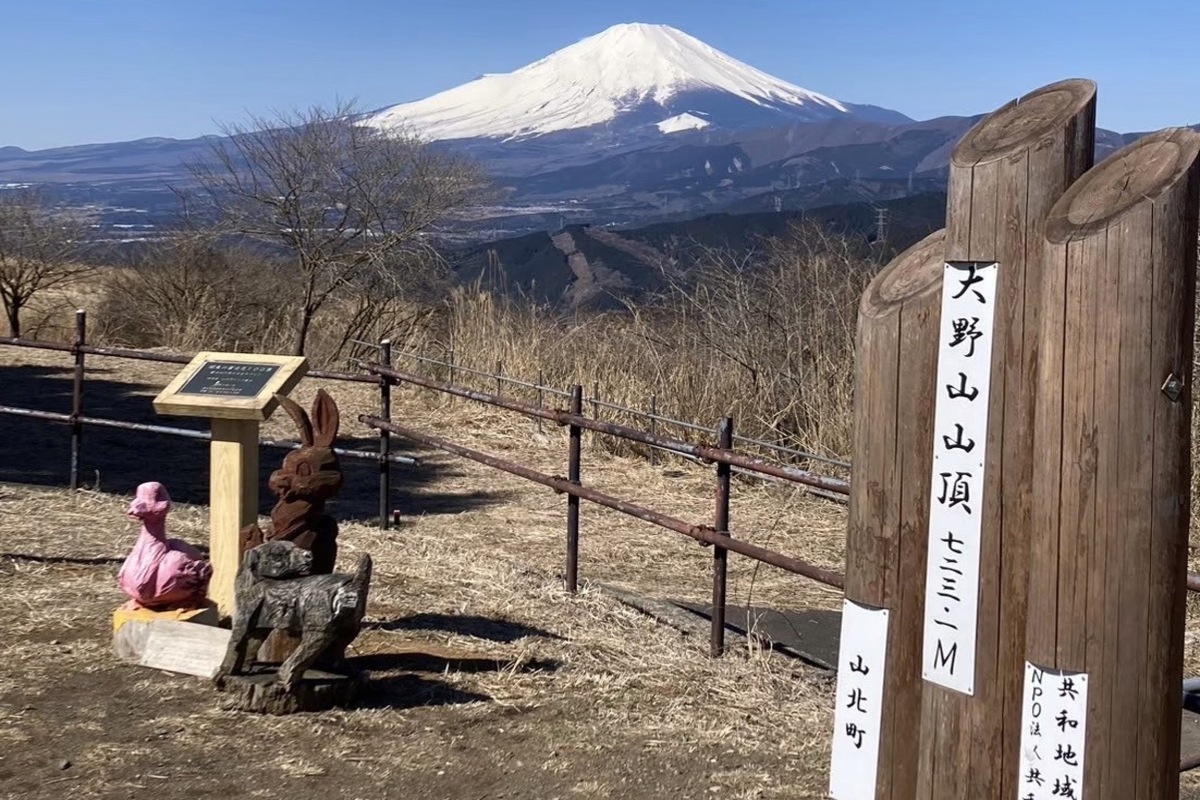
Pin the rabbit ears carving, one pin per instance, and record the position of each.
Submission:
(322, 428)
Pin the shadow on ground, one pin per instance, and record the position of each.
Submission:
(439, 662)
(411, 691)
(496, 630)
(398, 677)
(115, 461)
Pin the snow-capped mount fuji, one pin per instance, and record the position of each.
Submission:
(630, 81)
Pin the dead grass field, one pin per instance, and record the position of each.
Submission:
(491, 681)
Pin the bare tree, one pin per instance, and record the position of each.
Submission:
(784, 315)
(344, 202)
(38, 247)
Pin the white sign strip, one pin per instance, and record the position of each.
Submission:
(859, 711)
(1053, 730)
(956, 496)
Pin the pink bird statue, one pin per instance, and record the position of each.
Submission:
(161, 573)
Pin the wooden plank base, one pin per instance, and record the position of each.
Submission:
(260, 692)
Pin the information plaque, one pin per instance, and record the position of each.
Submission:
(229, 379)
(230, 385)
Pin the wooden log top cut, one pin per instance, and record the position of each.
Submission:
(1141, 171)
(1026, 122)
(915, 273)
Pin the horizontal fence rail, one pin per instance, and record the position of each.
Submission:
(636, 412)
(186, 433)
(702, 533)
(705, 453)
(384, 375)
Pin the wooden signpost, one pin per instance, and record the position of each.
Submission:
(1005, 175)
(950, 701)
(1020, 497)
(889, 499)
(1111, 489)
(236, 391)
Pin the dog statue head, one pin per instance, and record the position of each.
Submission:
(277, 560)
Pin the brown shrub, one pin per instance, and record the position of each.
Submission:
(766, 337)
(189, 294)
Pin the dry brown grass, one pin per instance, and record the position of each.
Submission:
(625, 685)
(621, 681)
(766, 337)
(630, 702)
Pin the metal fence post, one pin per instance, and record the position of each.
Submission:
(573, 470)
(77, 395)
(385, 443)
(596, 399)
(653, 428)
(720, 554)
(541, 391)
(499, 377)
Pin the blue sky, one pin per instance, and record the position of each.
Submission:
(95, 71)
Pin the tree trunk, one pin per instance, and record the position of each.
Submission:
(306, 315)
(12, 310)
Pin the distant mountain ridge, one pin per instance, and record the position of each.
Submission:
(599, 267)
(639, 123)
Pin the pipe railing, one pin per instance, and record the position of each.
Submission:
(704, 453)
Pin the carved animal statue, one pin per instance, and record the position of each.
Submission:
(275, 590)
(161, 573)
(308, 477)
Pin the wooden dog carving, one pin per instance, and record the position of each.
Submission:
(275, 590)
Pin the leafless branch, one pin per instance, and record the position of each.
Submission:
(38, 252)
(343, 202)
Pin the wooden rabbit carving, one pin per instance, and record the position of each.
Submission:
(308, 477)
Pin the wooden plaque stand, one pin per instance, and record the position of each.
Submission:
(236, 391)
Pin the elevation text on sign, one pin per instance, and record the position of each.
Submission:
(959, 450)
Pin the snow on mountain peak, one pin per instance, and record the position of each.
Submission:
(682, 122)
(625, 68)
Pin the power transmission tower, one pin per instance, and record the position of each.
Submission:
(881, 224)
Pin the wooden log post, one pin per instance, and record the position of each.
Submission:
(1111, 486)
(1005, 175)
(896, 355)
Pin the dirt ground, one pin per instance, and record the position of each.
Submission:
(489, 681)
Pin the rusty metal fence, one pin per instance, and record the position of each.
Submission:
(79, 349)
(650, 415)
(717, 452)
(716, 535)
